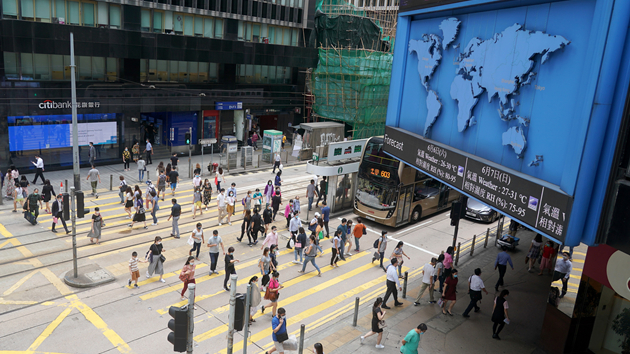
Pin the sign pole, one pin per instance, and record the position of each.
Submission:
(73, 218)
(190, 155)
(191, 318)
(230, 335)
(202, 159)
(75, 129)
(248, 302)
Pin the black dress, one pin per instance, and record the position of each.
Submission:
(375, 312)
(498, 315)
(139, 217)
(47, 191)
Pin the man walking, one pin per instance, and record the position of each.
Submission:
(562, 271)
(412, 340)
(503, 259)
(323, 190)
(173, 179)
(176, 211)
(427, 281)
(311, 193)
(380, 248)
(39, 164)
(221, 205)
(149, 152)
(393, 284)
(95, 178)
(342, 229)
(475, 287)
(276, 162)
(256, 224)
(92, 153)
(57, 212)
(326, 217)
(32, 203)
(214, 242)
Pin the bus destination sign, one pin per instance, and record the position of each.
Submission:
(538, 205)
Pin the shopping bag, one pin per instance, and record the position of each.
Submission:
(55, 220)
(292, 243)
(191, 241)
(291, 343)
(281, 167)
(440, 302)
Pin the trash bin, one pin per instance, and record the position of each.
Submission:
(230, 149)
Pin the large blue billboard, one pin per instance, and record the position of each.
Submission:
(511, 93)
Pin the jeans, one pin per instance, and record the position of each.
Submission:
(341, 248)
(175, 226)
(391, 290)
(356, 243)
(122, 197)
(310, 203)
(214, 257)
(334, 257)
(326, 227)
(196, 246)
(149, 159)
(154, 215)
(312, 260)
(441, 278)
(140, 175)
(381, 256)
(297, 251)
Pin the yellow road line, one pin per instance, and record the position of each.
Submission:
(303, 294)
(12, 302)
(20, 282)
(50, 328)
(26, 352)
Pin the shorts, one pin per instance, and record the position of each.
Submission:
(279, 346)
(173, 185)
(161, 188)
(198, 204)
(230, 209)
(135, 275)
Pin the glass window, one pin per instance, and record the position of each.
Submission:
(257, 73)
(102, 12)
(271, 34)
(88, 14)
(213, 72)
(234, 6)
(203, 72)
(256, 33)
(218, 28)
(9, 8)
(162, 70)
(73, 13)
(41, 67)
(98, 68)
(11, 70)
(193, 68)
(112, 69)
(178, 23)
(27, 66)
(152, 70)
(60, 11)
(157, 21)
(27, 10)
(198, 26)
(114, 16)
(56, 66)
(85, 68)
(255, 8)
(265, 11)
(264, 76)
(143, 70)
(42, 10)
(208, 28)
(145, 20)
(172, 69)
(240, 30)
(294, 37)
(183, 71)
(188, 25)
(168, 21)
(248, 31)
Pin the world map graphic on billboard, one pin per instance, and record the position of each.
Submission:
(499, 66)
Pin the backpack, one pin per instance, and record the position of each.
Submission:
(123, 187)
(376, 243)
(162, 180)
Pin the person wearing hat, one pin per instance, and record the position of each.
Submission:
(475, 287)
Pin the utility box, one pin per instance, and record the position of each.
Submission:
(272, 143)
(321, 134)
(230, 149)
(247, 153)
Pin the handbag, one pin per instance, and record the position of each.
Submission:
(382, 324)
(141, 210)
(292, 243)
(183, 276)
(270, 295)
(281, 337)
(364, 230)
(55, 220)
(321, 235)
(162, 258)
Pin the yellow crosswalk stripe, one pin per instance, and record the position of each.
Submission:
(50, 328)
(19, 283)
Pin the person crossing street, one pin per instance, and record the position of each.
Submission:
(475, 287)
(39, 164)
(393, 284)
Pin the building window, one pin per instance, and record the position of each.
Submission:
(143, 70)
(256, 33)
(114, 16)
(218, 28)
(162, 70)
(112, 69)
(42, 10)
(294, 37)
(11, 66)
(198, 26)
(27, 10)
(145, 20)
(56, 66)
(255, 9)
(26, 65)
(158, 21)
(88, 14)
(188, 25)
(60, 11)
(178, 23)
(9, 9)
(208, 28)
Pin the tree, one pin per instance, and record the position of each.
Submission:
(621, 326)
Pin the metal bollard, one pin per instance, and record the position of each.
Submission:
(301, 343)
(356, 312)
(472, 247)
(111, 182)
(487, 235)
(66, 186)
(404, 291)
(457, 255)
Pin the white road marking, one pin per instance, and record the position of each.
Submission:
(413, 227)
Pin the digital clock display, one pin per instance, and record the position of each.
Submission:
(380, 173)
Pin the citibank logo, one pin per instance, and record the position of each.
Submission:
(49, 104)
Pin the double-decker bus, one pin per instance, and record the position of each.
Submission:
(393, 193)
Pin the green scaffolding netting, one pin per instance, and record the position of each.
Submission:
(352, 86)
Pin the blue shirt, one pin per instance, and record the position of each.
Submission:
(342, 229)
(231, 189)
(503, 258)
(326, 213)
(275, 321)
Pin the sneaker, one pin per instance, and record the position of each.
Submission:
(380, 346)
(148, 275)
(229, 223)
(416, 304)
(163, 281)
(129, 282)
(226, 289)
(432, 302)
(398, 304)
(295, 262)
(386, 307)
(262, 309)
(219, 224)
(362, 339)
(146, 227)
(55, 231)
(136, 286)
(129, 225)
(154, 224)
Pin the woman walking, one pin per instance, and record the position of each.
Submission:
(246, 226)
(311, 253)
(47, 191)
(139, 216)
(378, 315)
(207, 193)
(129, 201)
(288, 212)
(319, 233)
(135, 150)
(268, 192)
(187, 275)
(126, 156)
(168, 169)
(10, 183)
(547, 255)
(276, 201)
(334, 257)
(154, 207)
(349, 239)
(97, 224)
(197, 238)
(230, 202)
(398, 254)
(449, 292)
(18, 196)
(247, 202)
(160, 169)
(534, 251)
(255, 300)
(197, 197)
(218, 179)
(272, 294)
(448, 261)
(156, 259)
(267, 218)
(197, 170)
(439, 271)
(278, 180)
(300, 244)
(265, 265)
(500, 313)
(229, 267)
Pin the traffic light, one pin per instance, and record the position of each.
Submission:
(239, 312)
(179, 326)
(187, 138)
(66, 206)
(79, 199)
(456, 212)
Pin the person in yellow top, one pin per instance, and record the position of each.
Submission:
(126, 159)
(135, 150)
(284, 140)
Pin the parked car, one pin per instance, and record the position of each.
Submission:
(476, 210)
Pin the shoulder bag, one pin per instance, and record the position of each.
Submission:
(162, 258)
(381, 324)
(281, 337)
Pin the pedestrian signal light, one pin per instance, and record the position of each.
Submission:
(187, 138)
(179, 327)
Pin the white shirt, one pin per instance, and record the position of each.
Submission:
(40, 163)
(428, 269)
(221, 200)
(476, 284)
(315, 179)
(392, 275)
(277, 157)
(149, 147)
(563, 266)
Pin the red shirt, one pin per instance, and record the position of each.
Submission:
(548, 251)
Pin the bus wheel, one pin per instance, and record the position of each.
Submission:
(415, 215)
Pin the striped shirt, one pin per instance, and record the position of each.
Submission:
(133, 264)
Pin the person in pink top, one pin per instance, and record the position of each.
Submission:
(448, 261)
(288, 212)
(271, 239)
(187, 275)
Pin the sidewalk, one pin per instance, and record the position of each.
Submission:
(110, 173)
(453, 334)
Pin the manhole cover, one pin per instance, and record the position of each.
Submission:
(97, 275)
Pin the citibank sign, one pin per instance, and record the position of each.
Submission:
(49, 104)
